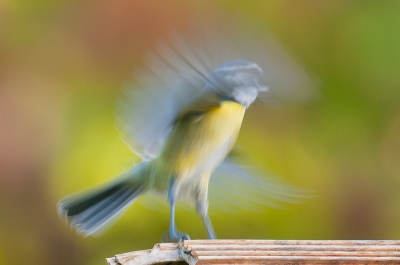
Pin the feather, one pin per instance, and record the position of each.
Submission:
(235, 184)
(176, 72)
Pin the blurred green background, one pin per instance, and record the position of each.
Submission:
(62, 63)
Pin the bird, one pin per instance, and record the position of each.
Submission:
(183, 122)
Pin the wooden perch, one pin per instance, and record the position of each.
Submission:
(276, 252)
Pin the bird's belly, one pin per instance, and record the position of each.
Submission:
(194, 149)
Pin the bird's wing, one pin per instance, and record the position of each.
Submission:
(148, 110)
(176, 72)
(237, 183)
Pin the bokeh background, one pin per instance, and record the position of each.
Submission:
(62, 64)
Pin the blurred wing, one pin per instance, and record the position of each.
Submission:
(235, 184)
(177, 71)
(288, 80)
(147, 110)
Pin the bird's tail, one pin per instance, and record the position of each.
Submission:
(92, 209)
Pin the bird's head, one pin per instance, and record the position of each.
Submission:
(237, 80)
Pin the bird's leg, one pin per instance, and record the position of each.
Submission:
(173, 234)
(209, 227)
(202, 207)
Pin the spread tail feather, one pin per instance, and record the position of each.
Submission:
(92, 209)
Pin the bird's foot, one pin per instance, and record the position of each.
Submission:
(169, 237)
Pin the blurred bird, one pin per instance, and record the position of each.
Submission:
(183, 122)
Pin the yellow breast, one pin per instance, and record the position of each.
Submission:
(200, 144)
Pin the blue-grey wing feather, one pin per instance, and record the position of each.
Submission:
(148, 109)
(235, 185)
(175, 72)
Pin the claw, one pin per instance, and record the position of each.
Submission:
(183, 237)
(167, 237)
